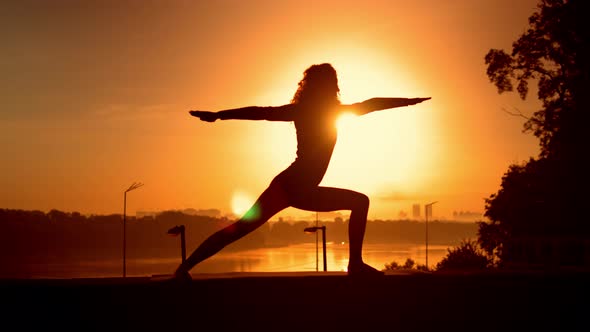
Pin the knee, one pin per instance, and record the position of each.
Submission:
(362, 201)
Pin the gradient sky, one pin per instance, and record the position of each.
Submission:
(94, 95)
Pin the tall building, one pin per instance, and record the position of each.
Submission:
(416, 211)
(428, 211)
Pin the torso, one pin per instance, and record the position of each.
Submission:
(316, 138)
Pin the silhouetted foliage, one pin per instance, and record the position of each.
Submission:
(467, 256)
(554, 52)
(410, 264)
(490, 237)
(543, 197)
(396, 266)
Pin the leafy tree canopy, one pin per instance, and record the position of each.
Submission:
(545, 196)
(554, 52)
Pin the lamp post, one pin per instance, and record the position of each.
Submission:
(427, 211)
(133, 186)
(314, 230)
(174, 231)
(316, 240)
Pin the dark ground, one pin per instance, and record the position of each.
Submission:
(523, 301)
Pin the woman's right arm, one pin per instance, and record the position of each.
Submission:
(377, 104)
(270, 113)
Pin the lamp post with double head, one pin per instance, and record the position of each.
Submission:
(427, 211)
(174, 231)
(314, 230)
(134, 186)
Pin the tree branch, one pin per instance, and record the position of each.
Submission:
(516, 112)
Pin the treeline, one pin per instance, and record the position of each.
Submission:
(35, 237)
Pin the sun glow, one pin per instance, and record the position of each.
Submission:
(345, 120)
(383, 151)
(240, 203)
(378, 153)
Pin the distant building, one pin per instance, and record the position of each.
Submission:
(215, 213)
(143, 214)
(467, 216)
(416, 211)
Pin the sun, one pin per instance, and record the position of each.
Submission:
(241, 202)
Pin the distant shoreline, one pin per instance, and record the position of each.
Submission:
(34, 237)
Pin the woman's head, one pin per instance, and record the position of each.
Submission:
(319, 85)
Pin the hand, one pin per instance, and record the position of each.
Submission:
(414, 101)
(204, 115)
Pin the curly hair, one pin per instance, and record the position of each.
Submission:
(319, 85)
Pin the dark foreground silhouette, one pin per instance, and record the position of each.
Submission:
(501, 301)
(314, 110)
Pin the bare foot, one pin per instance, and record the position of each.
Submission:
(363, 269)
(182, 275)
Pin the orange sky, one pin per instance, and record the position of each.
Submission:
(95, 95)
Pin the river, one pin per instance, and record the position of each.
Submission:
(299, 257)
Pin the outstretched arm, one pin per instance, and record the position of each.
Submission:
(270, 113)
(377, 104)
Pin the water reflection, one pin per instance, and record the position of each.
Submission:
(300, 257)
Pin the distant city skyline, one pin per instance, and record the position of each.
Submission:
(466, 216)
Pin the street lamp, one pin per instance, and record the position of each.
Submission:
(133, 186)
(314, 230)
(174, 231)
(427, 211)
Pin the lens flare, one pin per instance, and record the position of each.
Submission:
(240, 203)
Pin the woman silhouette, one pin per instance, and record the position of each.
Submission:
(314, 110)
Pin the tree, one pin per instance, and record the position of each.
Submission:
(491, 236)
(543, 197)
(554, 52)
(467, 256)
(57, 216)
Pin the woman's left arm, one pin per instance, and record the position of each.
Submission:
(377, 104)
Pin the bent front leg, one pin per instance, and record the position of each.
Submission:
(332, 199)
